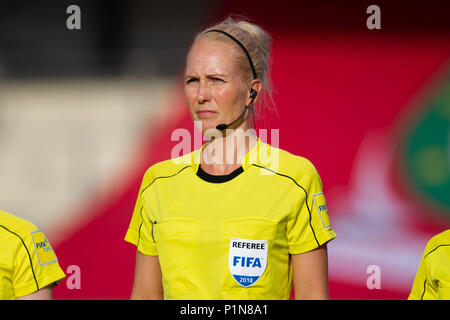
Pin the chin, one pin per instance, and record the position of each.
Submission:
(205, 124)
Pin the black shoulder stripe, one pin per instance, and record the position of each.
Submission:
(142, 219)
(424, 288)
(441, 245)
(306, 193)
(163, 177)
(29, 256)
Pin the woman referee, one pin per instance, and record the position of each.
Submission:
(207, 227)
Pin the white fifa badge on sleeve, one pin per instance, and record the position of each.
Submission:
(319, 202)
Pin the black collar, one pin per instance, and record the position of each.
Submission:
(216, 178)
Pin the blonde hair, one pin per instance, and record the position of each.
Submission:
(258, 43)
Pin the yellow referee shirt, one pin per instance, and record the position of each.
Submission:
(433, 276)
(230, 237)
(27, 261)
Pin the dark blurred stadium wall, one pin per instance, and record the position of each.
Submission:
(117, 37)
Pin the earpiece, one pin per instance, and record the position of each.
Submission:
(253, 94)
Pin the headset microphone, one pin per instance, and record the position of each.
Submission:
(224, 126)
(221, 126)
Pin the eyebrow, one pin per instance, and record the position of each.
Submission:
(211, 75)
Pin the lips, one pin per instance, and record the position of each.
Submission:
(205, 113)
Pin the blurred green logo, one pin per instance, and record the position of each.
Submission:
(426, 154)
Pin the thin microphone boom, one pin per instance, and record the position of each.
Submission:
(224, 126)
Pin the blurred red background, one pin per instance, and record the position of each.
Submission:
(346, 98)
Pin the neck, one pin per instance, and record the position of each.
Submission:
(226, 153)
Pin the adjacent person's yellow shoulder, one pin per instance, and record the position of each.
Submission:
(433, 276)
(27, 260)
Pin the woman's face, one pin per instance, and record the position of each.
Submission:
(214, 88)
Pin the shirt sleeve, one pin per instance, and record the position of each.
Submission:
(35, 264)
(309, 225)
(419, 285)
(424, 286)
(140, 230)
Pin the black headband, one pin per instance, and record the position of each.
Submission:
(240, 45)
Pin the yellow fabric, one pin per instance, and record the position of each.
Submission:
(189, 222)
(432, 280)
(27, 261)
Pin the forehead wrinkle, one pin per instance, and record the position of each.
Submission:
(210, 58)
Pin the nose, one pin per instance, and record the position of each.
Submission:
(203, 93)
